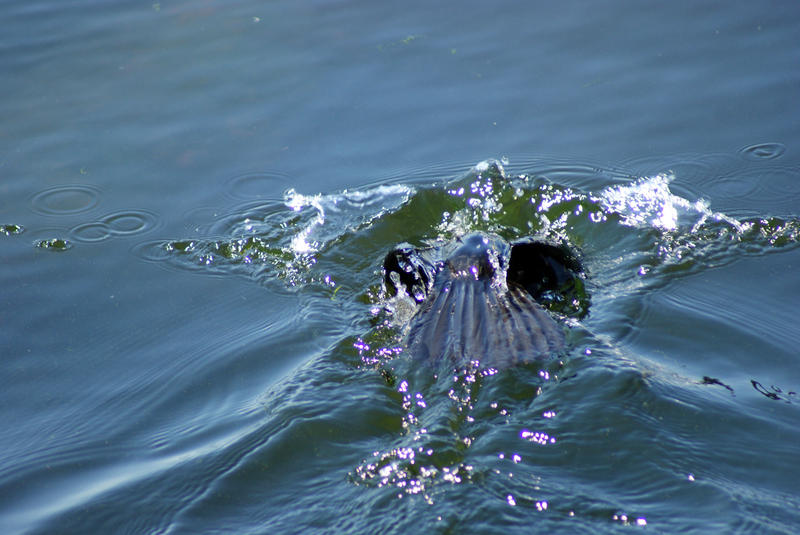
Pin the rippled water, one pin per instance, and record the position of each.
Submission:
(626, 427)
(196, 199)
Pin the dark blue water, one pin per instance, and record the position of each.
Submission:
(196, 198)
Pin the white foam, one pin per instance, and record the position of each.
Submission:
(648, 201)
(330, 219)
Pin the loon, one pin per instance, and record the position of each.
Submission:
(481, 298)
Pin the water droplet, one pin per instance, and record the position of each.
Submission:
(8, 230)
(54, 244)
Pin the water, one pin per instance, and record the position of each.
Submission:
(195, 201)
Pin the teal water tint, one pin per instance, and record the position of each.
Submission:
(196, 199)
(627, 427)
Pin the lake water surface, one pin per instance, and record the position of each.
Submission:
(196, 198)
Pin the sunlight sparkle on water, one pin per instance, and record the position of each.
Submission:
(626, 521)
(537, 437)
(645, 201)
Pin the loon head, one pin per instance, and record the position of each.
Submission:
(479, 257)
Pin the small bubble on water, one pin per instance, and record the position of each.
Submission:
(8, 230)
(54, 244)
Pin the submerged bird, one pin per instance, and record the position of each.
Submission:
(481, 298)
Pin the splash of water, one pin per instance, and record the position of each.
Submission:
(336, 214)
(648, 202)
(286, 239)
